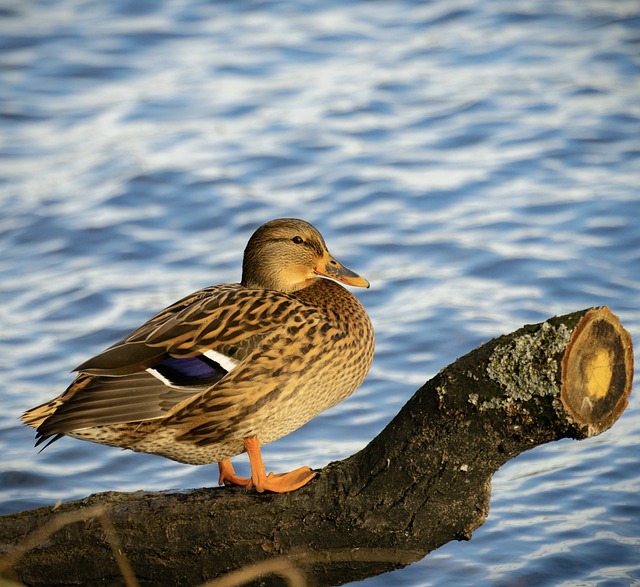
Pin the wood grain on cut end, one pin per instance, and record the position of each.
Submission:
(597, 371)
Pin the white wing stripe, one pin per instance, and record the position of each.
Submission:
(160, 377)
(227, 363)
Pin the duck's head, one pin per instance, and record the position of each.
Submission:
(288, 254)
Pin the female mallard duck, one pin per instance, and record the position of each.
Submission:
(230, 367)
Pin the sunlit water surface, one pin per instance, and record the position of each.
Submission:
(477, 161)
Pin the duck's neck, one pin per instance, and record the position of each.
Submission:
(264, 275)
(276, 282)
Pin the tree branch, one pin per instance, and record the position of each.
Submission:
(425, 480)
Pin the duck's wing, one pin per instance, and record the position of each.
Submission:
(182, 351)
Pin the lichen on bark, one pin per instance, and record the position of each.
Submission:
(527, 366)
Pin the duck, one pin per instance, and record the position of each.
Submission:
(229, 368)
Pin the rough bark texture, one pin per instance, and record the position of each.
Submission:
(425, 480)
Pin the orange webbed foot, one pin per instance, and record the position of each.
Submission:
(283, 482)
(278, 483)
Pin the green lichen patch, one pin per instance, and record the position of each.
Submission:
(527, 366)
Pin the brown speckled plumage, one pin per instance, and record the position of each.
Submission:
(282, 346)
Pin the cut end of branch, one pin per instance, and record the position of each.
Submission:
(597, 371)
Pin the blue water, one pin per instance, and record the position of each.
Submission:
(477, 160)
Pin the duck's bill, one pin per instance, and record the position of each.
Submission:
(330, 267)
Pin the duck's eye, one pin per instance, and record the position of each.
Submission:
(298, 240)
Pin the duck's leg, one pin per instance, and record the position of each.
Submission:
(228, 475)
(280, 483)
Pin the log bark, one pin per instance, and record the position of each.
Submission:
(424, 481)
